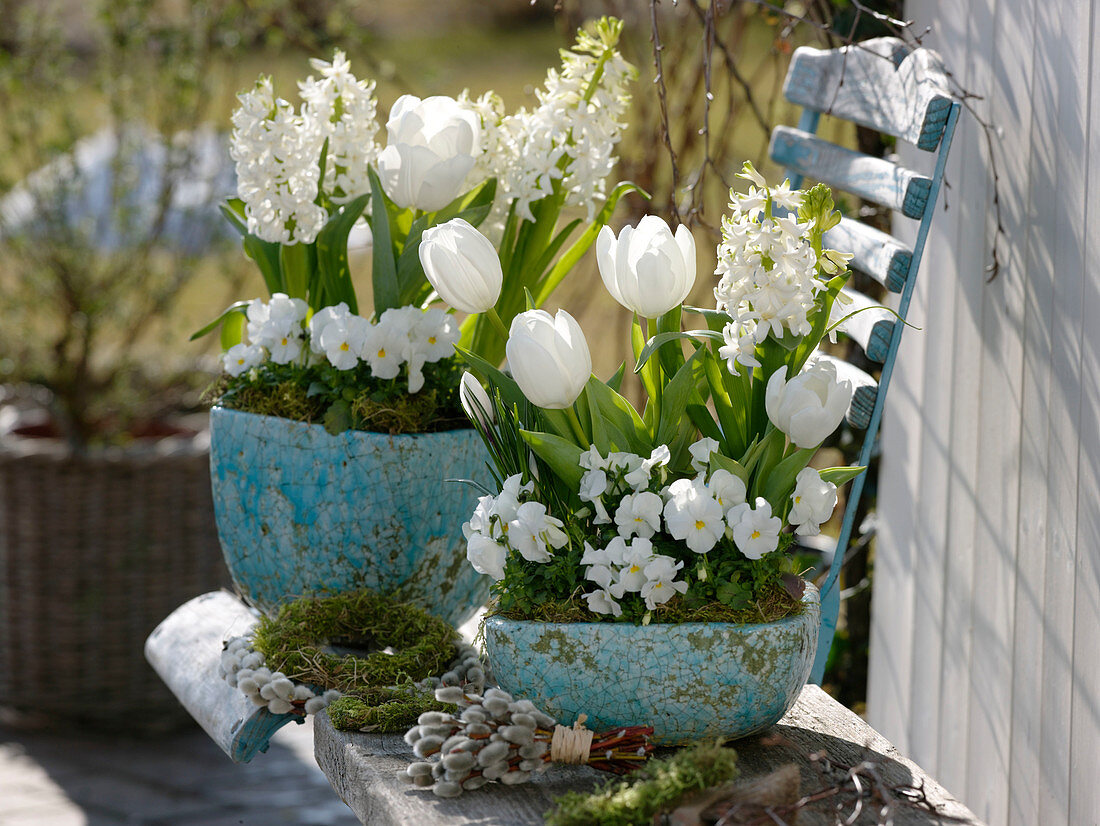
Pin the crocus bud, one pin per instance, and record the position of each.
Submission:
(462, 265)
(430, 149)
(809, 406)
(475, 401)
(647, 270)
(549, 358)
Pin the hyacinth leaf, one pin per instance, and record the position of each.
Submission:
(616, 381)
(619, 414)
(562, 455)
(716, 319)
(384, 269)
(473, 207)
(412, 284)
(236, 308)
(821, 322)
(720, 461)
(704, 422)
(571, 256)
(841, 475)
(672, 358)
(507, 239)
(510, 394)
(727, 394)
(658, 341)
(233, 210)
(297, 262)
(232, 332)
(554, 246)
(332, 256)
(674, 401)
(267, 257)
(591, 424)
(777, 485)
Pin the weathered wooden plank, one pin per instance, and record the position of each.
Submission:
(864, 390)
(874, 253)
(873, 179)
(868, 323)
(365, 770)
(877, 83)
(185, 650)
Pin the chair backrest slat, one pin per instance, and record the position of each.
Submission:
(866, 321)
(874, 253)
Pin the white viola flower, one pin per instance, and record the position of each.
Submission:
(549, 358)
(476, 402)
(287, 347)
(700, 452)
(616, 551)
(639, 514)
(596, 556)
(755, 530)
(286, 310)
(647, 269)
(635, 558)
(462, 265)
(240, 358)
(431, 146)
(592, 488)
(486, 555)
(323, 317)
(728, 488)
(604, 577)
(592, 459)
(693, 515)
(506, 503)
(436, 334)
(481, 519)
(812, 502)
(533, 531)
(810, 406)
(660, 584)
(639, 478)
(384, 350)
(343, 340)
(603, 602)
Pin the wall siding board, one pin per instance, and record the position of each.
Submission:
(995, 513)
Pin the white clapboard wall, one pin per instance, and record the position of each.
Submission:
(985, 649)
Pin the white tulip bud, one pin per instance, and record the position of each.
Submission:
(476, 403)
(549, 358)
(810, 406)
(462, 265)
(647, 270)
(430, 148)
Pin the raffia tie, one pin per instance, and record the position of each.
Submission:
(571, 745)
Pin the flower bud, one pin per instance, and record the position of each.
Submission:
(476, 402)
(810, 406)
(462, 265)
(430, 149)
(647, 269)
(549, 358)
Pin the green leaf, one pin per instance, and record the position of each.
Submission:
(779, 482)
(701, 418)
(723, 462)
(561, 455)
(332, 256)
(841, 475)
(296, 261)
(716, 319)
(473, 206)
(661, 339)
(616, 381)
(548, 284)
(620, 414)
(232, 331)
(267, 257)
(672, 358)
(239, 307)
(233, 210)
(412, 283)
(729, 404)
(384, 269)
(674, 400)
(337, 418)
(650, 376)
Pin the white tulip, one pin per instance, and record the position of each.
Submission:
(647, 270)
(549, 358)
(475, 401)
(431, 148)
(462, 265)
(810, 406)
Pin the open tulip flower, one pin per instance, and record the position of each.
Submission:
(694, 500)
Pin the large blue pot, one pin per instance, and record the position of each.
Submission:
(692, 681)
(301, 511)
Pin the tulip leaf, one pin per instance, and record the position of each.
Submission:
(729, 404)
(723, 462)
(412, 284)
(616, 381)
(561, 455)
(821, 321)
(232, 331)
(841, 475)
(586, 239)
(777, 484)
(332, 256)
(553, 247)
(619, 414)
(704, 422)
(473, 206)
(509, 391)
(236, 308)
(384, 269)
(672, 358)
(661, 339)
(591, 413)
(716, 319)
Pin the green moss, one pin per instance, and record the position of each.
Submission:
(655, 788)
(422, 646)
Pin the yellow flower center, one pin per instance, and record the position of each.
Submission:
(658, 585)
(344, 347)
(382, 353)
(634, 569)
(240, 361)
(754, 535)
(431, 339)
(797, 499)
(284, 341)
(700, 524)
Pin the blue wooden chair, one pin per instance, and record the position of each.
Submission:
(887, 86)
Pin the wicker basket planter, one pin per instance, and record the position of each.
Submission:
(95, 550)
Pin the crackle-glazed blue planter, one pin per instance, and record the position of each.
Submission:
(301, 511)
(690, 681)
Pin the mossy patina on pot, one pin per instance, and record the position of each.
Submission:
(690, 681)
(301, 511)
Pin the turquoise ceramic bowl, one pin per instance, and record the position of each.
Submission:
(301, 511)
(691, 682)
